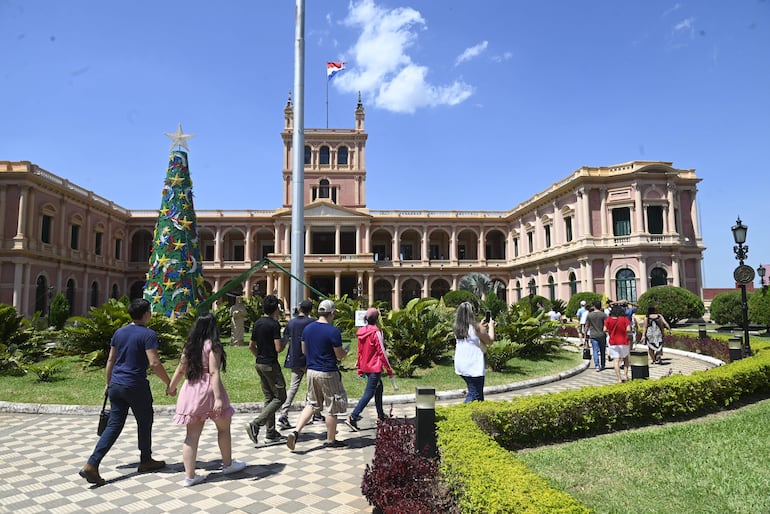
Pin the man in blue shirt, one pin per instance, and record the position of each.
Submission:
(322, 346)
(133, 348)
(295, 359)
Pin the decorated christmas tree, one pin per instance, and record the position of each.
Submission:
(175, 279)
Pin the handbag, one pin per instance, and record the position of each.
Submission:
(104, 416)
(586, 353)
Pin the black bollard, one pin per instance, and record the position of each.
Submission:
(735, 344)
(425, 436)
(702, 331)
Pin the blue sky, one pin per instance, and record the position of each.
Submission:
(469, 105)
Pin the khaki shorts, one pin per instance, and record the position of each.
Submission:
(326, 393)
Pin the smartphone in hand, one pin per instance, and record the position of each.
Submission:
(488, 316)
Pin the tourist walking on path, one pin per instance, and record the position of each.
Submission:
(203, 396)
(372, 359)
(654, 323)
(472, 341)
(295, 359)
(265, 345)
(322, 345)
(133, 349)
(595, 329)
(617, 327)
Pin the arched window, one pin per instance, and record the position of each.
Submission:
(342, 155)
(71, 295)
(625, 285)
(551, 288)
(532, 286)
(572, 283)
(115, 292)
(41, 294)
(94, 295)
(518, 290)
(323, 155)
(658, 277)
(308, 155)
(323, 190)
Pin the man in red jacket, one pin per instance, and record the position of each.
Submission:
(371, 361)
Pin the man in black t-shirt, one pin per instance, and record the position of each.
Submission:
(265, 345)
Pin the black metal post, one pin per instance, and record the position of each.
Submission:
(745, 308)
(425, 429)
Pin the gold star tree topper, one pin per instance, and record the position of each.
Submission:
(179, 138)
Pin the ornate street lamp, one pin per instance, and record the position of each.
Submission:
(743, 274)
(761, 272)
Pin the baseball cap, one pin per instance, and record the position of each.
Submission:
(372, 314)
(325, 307)
(582, 302)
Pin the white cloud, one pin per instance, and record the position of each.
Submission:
(472, 52)
(687, 25)
(506, 56)
(673, 8)
(380, 66)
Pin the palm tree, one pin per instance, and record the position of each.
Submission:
(477, 283)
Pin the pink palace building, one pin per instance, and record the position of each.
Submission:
(617, 230)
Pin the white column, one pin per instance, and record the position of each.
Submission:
(336, 238)
(607, 283)
(18, 287)
(639, 210)
(556, 221)
(586, 212)
(644, 281)
(603, 212)
(453, 246)
(337, 285)
(396, 292)
(675, 272)
(424, 244)
(694, 213)
(247, 246)
(670, 190)
(218, 245)
(480, 254)
(396, 248)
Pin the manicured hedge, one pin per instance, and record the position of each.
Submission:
(477, 441)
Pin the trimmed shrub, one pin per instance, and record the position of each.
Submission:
(530, 304)
(60, 311)
(674, 303)
(574, 303)
(759, 307)
(455, 298)
(726, 308)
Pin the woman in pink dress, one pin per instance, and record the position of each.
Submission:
(203, 396)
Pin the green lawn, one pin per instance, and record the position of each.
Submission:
(716, 464)
(77, 385)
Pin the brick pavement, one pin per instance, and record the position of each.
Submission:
(43, 447)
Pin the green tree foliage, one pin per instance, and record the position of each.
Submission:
(492, 303)
(536, 335)
(726, 308)
(559, 306)
(530, 304)
(60, 311)
(14, 336)
(455, 298)
(574, 303)
(90, 335)
(674, 303)
(477, 283)
(423, 329)
(759, 307)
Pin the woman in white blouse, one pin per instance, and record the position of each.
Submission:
(472, 341)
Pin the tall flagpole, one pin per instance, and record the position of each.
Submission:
(327, 99)
(298, 163)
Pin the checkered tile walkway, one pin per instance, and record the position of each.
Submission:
(41, 453)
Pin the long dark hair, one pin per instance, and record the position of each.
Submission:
(205, 327)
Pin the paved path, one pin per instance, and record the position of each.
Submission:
(41, 451)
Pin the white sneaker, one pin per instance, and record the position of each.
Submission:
(234, 467)
(197, 479)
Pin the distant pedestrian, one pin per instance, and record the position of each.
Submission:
(654, 324)
(596, 335)
(133, 349)
(295, 359)
(372, 360)
(579, 316)
(265, 345)
(322, 344)
(203, 396)
(472, 339)
(617, 328)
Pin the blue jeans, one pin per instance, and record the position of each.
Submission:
(475, 388)
(139, 399)
(374, 389)
(599, 347)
